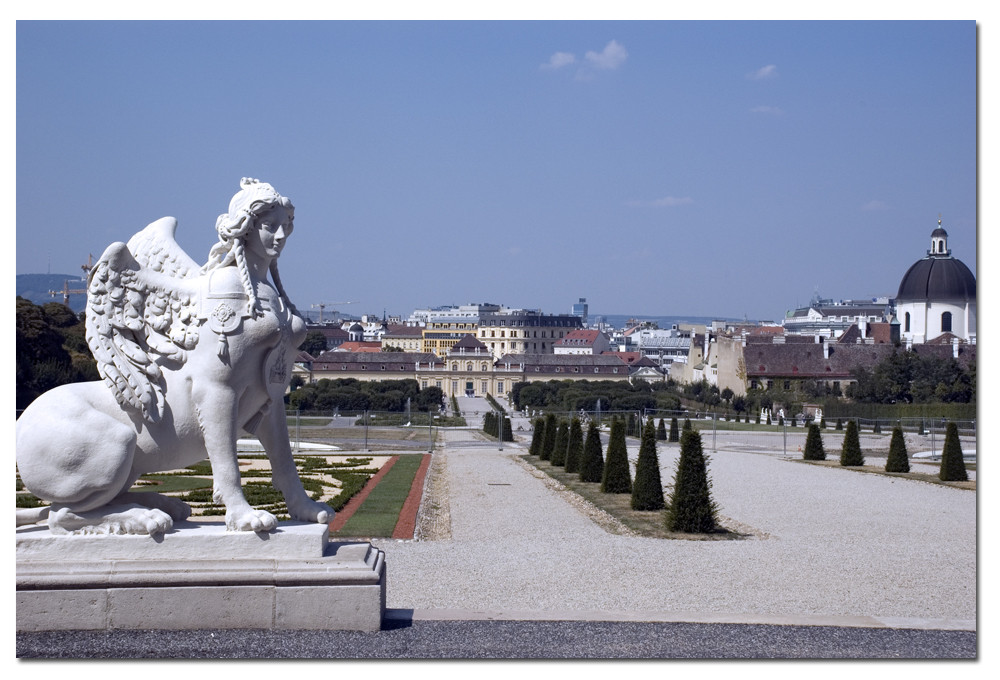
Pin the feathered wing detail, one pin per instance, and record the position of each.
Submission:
(140, 315)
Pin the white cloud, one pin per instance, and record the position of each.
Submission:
(559, 59)
(613, 56)
(769, 71)
(875, 204)
(666, 202)
(773, 110)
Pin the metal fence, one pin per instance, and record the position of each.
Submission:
(734, 433)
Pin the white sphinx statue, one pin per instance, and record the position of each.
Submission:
(191, 356)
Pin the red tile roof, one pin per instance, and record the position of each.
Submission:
(354, 346)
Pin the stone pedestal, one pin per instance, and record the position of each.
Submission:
(198, 576)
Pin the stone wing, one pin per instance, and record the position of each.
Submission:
(142, 315)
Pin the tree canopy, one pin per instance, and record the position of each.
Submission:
(51, 349)
(906, 377)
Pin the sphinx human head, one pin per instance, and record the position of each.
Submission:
(255, 207)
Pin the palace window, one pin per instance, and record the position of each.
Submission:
(946, 322)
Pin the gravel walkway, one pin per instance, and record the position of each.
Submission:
(827, 545)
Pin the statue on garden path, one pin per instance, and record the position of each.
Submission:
(190, 356)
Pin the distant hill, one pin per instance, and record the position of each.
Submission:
(36, 287)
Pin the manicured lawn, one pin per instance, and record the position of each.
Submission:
(379, 513)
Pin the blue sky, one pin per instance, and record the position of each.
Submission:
(654, 167)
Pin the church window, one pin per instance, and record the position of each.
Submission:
(906, 323)
(946, 322)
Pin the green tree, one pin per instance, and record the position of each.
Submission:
(850, 452)
(429, 399)
(549, 443)
(51, 350)
(687, 424)
(647, 491)
(674, 435)
(507, 430)
(314, 344)
(691, 508)
(661, 432)
(814, 445)
(537, 437)
(897, 461)
(592, 465)
(952, 463)
(562, 441)
(574, 447)
(616, 477)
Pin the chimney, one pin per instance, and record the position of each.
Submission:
(954, 347)
(826, 350)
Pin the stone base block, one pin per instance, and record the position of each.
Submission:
(199, 576)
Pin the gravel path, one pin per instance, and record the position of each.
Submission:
(825, 543)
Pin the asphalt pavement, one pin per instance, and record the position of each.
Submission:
(403, 638)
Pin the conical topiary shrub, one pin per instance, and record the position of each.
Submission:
(814, 445)
(661, 432)
(675, 435)
(850, 453)
(562, 439)
(647, 490)
(897, 460)
(537, 437)
(839, 425)
(822, 423)
(574, 447)
(690, 508)
(952, 463)
(616, 477)
(592, 465)
(549, 443)
(687, 424)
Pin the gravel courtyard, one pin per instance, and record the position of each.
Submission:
(825, 543)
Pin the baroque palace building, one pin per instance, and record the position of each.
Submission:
(468, 369)
(524, 331)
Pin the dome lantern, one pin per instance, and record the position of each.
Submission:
(939, 242)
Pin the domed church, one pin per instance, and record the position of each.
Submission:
(936, 296)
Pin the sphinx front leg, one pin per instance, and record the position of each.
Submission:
(217, 414)
(273, 434)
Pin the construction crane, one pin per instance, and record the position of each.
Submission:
(324, 305)
(66, 292)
